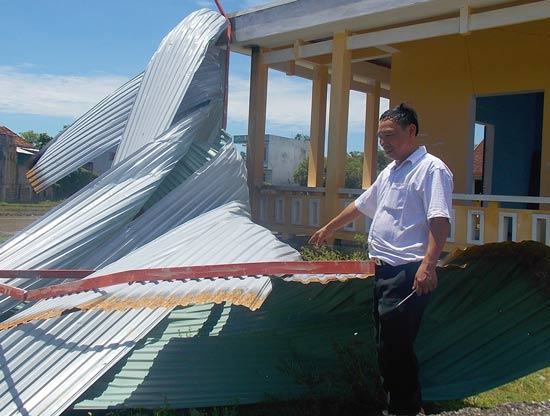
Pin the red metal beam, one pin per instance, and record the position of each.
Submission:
(216, 271)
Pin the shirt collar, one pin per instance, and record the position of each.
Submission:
(413, 157)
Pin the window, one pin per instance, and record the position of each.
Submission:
(351, 225)
(507, 226)
(452, 228)
(314, 205)
(263, 208)
(279, 210)
(476, 225)
(541, 228)
(296, 211)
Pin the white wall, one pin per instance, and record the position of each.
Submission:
(283, 156)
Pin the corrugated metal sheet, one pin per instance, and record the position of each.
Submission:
(221, 181)
(208, 355)
(170, 74)
(81, 346)
(94, 133)
(71, 234)
(487, 324)
(73, 231)
(47, 364)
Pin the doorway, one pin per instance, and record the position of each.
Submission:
(512, 142)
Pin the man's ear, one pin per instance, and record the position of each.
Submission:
(412, 130)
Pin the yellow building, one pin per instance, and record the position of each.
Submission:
(457, 62)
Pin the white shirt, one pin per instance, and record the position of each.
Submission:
(401, 201)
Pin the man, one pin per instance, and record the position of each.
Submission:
(410, 205)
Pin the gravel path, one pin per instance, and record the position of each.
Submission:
(509, 409)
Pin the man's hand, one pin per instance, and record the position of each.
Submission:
(320, 237)
(425, 279)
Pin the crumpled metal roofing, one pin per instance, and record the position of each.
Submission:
(73, 231)
(147, 105)
(84, 222)
(168, 77)
(77, 348)
(91, 135)
(487, 324)
(156, 215)
(224, 355)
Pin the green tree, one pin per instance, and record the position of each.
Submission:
(72, 183)
(300, 173)
(38, 139)
(353, 169)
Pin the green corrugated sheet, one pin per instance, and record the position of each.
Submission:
(487, 324)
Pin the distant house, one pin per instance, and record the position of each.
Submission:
(281, 157)
(478, 167)
(15, 155)
(102, 163)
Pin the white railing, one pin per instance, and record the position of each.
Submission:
(476, 219)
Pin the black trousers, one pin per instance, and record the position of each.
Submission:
(395, 331)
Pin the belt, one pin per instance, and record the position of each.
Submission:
(379, 262)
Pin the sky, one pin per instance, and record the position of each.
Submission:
(59, 58)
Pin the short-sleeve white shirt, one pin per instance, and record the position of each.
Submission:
(401, 202)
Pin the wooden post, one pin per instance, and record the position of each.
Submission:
(317, 129)
(544, 189)
(371, 140)
(338, 124)
(256, 129)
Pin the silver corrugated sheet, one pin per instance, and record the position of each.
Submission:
(174, 197)
(221, 181)
(47, 364)
(74, 231)
(91, 135)
(170, 74)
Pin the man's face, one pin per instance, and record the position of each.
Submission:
(396, 141)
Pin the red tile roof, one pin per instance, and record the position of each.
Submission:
(19, 141)
(478, 159)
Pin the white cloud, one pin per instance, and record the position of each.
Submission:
(288, 106)
(53, 95)
(288, 103)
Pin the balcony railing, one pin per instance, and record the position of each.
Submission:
(476, 219)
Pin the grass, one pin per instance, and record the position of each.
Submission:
(20, 209)
(534, 387)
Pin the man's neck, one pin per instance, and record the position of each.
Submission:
(414, 149)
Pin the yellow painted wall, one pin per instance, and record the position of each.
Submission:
(440, 77)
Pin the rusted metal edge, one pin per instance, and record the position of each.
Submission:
(215, 271)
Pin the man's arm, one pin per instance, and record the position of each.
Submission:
(426, 277)
(349, 214)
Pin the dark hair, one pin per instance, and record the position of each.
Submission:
(403, 114)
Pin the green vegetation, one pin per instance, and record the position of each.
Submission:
(354, 169)
(14, 209)
(38, 139)
(70, 184)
